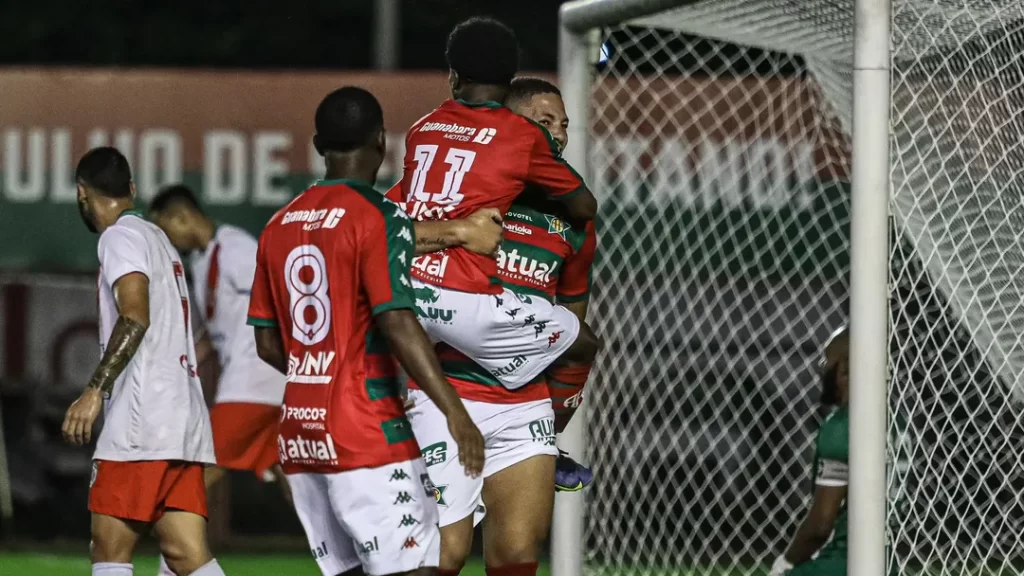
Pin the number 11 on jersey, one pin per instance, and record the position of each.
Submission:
(459, 162)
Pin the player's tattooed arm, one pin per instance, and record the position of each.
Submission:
(270, 348)
(480, 232)
(131, 295)
(125, 340)
(817, 527)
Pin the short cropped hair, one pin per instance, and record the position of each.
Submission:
(347, 119)
(175, 195)
(526, 87)
(105, 170)
(483, 51)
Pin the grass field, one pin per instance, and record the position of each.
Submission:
(37, 564)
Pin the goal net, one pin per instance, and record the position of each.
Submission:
(720, 150)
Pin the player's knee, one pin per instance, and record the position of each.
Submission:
(456, 547)
(111, 547)
(185, 556)
(515, 549)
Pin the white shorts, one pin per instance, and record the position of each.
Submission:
(383, 519)
(512, 433)
(515, 338)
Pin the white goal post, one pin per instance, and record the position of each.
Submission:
(767, 170)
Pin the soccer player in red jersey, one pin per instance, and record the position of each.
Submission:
(332, 306)
(471, 153)
(148, 465)
(541, 257)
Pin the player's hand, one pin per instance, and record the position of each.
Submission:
(780, 567)
(469, 440)
(81, 416)
(482, 231)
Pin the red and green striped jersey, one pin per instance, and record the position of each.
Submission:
(541, 256)
(327, 263)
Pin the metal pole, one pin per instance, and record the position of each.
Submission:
(869, 275)
(574, 80)
(387, 28)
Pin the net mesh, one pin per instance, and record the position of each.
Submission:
(720, 152)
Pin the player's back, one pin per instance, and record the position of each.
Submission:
(222, 278)
(156, 410)
(315, 254)
(462, 157)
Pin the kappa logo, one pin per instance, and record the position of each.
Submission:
(513, 312)
(410, 543)
(529, 319)
(539, 328)
(408, 520)
(398, 474)
(554, 338)
(403, 498)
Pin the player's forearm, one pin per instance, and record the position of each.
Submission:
(807, 540)
(125, 339)
(436, 236)
(270, 348)
(414, 352)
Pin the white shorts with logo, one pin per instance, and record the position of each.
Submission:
(383, 519)
(515, 338)
(512, 433)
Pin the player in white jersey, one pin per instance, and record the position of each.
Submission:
(247, 406)
(149, 459)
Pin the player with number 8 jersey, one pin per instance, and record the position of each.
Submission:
(332, 302)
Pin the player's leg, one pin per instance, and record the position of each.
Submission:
(566, 383)
(282, 482)
(519, 488)
(181, 530)
(391, 515)
(457, 496)
(332, 547)
(124, 498)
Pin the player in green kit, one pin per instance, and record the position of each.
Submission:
(819, 546)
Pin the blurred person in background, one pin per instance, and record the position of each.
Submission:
(247, 404)
(155, 441)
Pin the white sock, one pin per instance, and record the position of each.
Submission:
(111, 569)
(164, 569)
(211, 568)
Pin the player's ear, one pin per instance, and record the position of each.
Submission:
(82, 196)
(453, 80)
(131, 189)
(382, 142)
(316, 144)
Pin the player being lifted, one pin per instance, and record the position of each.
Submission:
(332, 304)
(472, 153)
(827, 516)
(149, 459)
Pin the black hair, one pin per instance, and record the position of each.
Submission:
(175, 195)
(105, 170)
(526, 87)
(483, 51)
(347, 119)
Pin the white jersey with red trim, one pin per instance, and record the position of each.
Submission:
(222, 279)
(156, 410)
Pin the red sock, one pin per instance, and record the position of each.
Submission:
(565, 385)
(513, 570)
(443, 572)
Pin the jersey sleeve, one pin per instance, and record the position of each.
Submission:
(386, 253)
(122, 251)
(574, 282)
(833, 453)
(261, 298)
(548, 170)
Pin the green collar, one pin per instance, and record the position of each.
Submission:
(350, 182)
(491, 104)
